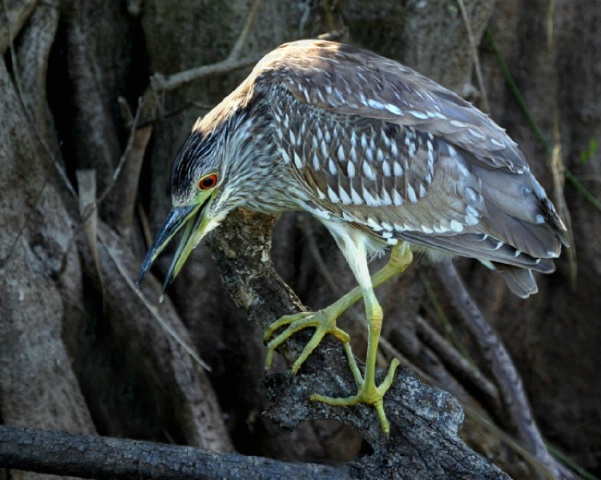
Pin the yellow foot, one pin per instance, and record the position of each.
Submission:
(324, 322)
(368, 393)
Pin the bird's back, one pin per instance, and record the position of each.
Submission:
(375, 146)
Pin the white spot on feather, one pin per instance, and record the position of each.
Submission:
(353, 155)
(393, 109)
(456, 226)
(350, 170)
(332, 167)
(338, 96)
(375, 226)
(332, 195)
(324, 149)
(321, 213)
(411, 194)
(368, 171)
(319, 133)
(397, 199)
(386, 169)
(375, 104)
(386, 200)
(472, 211)
(471, 220)
(344, 197)
(315, 163)
(496, 143)
(463, 169)
(297, 161)
(357, 200)
(364, 141)
(471, 195)
(353, 139)
(420, 115)
(371, 200)
(476, 133)
(458, 124)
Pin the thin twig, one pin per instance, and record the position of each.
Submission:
(124, 156)
(165, 83)
(233, 61)
(484, 105)
(556, 157)
(471, 378)
(235, 53)
(519, 99)
(127, 277)
(175, 111)
(506, 375)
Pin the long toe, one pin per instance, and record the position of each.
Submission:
(323, 321)
(367, 393)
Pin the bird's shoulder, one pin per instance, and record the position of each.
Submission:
(347, 80)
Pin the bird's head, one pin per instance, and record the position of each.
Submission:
(197, 180)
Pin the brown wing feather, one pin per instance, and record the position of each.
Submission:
(465, 186)
(351, 81)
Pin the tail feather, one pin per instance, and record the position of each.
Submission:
(519, 280)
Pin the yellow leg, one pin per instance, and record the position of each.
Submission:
(368, 392)
(324, 322)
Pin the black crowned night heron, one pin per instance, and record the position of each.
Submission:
(383, 157)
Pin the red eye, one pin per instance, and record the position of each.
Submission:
(207, 182)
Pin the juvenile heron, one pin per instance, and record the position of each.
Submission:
(383, 157)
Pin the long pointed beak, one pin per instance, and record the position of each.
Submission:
(195, 220)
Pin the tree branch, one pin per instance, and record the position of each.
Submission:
(87, 456)
(423, 419)
(506, 376)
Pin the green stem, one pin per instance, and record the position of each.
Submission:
(537, 131)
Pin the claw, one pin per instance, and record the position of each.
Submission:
(369, 394)
(324, 322)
